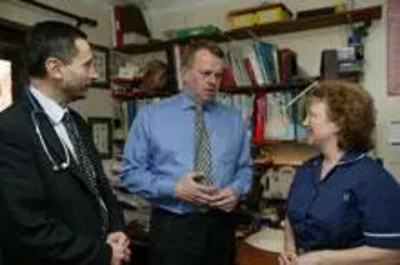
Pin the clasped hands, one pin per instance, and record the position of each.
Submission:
(119, 243)
(190, 190)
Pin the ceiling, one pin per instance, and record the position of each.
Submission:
(155, 5)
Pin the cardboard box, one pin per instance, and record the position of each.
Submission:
(274, 13)
(263, 14)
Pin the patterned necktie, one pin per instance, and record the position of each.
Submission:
(86, 165)
(202, 148)
(80, 152)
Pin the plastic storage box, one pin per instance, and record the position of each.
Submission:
(263, 14)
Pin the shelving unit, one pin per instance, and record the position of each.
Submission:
(282, 27)
(364, 15)
(133, 81)
(299, 84)
(141, 94)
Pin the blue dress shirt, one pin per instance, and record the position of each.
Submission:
(356, 204)
(160, 150)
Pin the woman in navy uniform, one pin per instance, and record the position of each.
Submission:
(343, 206)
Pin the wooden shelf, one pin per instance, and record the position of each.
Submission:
(276, 142)
(152, 46)
(133, 81)
(299, 84)
(293, 153)
(276, 28)
(140, 94)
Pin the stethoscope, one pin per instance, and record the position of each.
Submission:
(56, 167)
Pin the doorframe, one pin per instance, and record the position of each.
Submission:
(12, 39)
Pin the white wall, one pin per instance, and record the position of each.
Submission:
(164, 15)
(308, 44)
(98, 102)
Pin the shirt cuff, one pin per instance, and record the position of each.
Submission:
(391, 241)
(166, 188)
(238, 190)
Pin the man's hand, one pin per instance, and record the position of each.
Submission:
(119, 243)
(224, 199)
(187, 189)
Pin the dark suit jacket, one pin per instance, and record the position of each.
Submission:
(48, 217)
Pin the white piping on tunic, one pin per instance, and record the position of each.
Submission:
(361, 156)
(382, 235)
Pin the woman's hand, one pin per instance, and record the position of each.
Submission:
(288, 259)
(311, 258)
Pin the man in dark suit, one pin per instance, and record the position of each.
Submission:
(56, 205)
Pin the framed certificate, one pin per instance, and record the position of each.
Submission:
(101, 63)
(101, 129)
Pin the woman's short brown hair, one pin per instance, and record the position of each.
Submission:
(352, 109)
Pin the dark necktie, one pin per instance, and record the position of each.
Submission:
(86, 165)
(81, 154)
(202, 148)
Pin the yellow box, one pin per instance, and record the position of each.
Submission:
(263, 14)
(243, 20)
(272, 15)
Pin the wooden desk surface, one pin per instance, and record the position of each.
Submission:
(249, 255)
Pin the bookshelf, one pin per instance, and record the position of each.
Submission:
(271, 88)
(142, 94)
(366, 15)
(282, 150)
(132, 81)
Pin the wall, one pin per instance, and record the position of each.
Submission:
(163, 16)
(98, 102)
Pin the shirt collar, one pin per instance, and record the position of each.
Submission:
(53, 110)
(347, 158)
(351, 157)
(188, 103)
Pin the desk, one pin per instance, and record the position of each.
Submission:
(249, 255)
(261, 248)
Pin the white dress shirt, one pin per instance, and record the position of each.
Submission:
(55, 112)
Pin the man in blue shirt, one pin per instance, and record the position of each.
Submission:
(193, 191)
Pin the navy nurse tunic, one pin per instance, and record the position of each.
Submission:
(357, 203)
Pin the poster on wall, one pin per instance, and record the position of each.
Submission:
(393, 35)
(101, 63)
(101, 129)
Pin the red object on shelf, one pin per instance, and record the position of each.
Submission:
(260, 114)
(138, 94)
(128, 26)
(122, 80)
(227, 78)
(131, 94)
